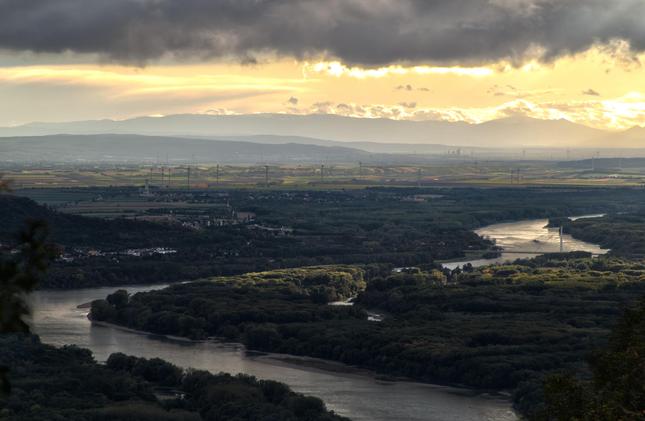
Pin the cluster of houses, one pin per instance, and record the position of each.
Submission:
(70, 256)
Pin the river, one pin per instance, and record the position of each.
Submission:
(357, 395)
(528, 238)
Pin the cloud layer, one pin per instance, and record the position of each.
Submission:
(615, 114)
(365, 32)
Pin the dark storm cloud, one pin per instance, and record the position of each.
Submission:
(368, 32)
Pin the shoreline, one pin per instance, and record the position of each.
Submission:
(320, 365)
(116, 287)
(507, 255)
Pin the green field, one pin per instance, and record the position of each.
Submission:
(346, 176)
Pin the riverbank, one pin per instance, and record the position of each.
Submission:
(141, 332)
(59, 322)
(312, 364)
(66, 383)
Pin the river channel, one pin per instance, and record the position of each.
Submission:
(528, 238)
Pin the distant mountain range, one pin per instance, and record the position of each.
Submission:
(137, 148)
(410, 136)
(373, 147)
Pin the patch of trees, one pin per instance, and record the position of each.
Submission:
(74, 231)
(67, 384)
(616, 390)
(232, 307)
(624, 234)
(20, 271)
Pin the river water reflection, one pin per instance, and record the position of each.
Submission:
(528, 238)
(58, 321)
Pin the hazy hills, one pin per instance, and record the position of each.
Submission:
(517, 132)
(632, 138)
(373, 147)
(314, 126)
(137, 148)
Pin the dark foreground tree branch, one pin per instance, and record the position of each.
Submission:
(21, 267)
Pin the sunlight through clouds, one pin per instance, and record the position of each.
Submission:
(335, 68)
(598, 88)
(614, 114)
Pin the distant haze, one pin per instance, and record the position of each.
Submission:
(281, 138)
(514, 132)
(136, 148)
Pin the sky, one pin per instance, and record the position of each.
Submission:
(456, 60)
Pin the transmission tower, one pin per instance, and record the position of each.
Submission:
(266, 176)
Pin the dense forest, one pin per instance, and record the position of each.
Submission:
(224, 307)
(616, 390)
(499, 327)
(66, 383)
(623, 233)
(397, 227)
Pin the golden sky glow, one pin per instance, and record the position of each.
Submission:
(598, 88)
